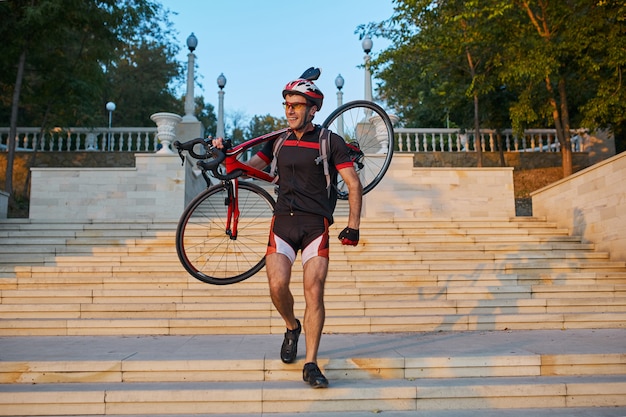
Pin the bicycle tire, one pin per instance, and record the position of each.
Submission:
(368, 126)
(204, 247)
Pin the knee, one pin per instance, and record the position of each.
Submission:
(314, 292)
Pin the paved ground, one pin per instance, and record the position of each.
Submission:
(333, 346)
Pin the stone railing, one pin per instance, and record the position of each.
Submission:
(117, 139)
(452, 140)
(144, 139)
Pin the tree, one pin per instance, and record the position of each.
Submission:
(455, 53)
(206, 114)
(62, 58)
(556, 62)
(261, 125)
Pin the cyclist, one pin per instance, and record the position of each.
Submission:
(303, 214)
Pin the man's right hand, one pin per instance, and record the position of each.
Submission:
(218, 143)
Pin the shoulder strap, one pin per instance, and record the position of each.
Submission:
(277, 145)
(324, 151)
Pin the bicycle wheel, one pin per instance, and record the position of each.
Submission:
(365, 126)
(205, 247)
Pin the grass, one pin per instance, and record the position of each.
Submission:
(529, 180)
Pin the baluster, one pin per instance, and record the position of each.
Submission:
(491, 142)
(557, 144)
(400, 147)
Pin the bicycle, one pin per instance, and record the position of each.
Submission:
(221, 237)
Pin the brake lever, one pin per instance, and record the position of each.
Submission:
(178, 146)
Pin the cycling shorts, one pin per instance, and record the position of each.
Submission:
(306, 232)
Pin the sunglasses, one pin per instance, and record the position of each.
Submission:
(295, 106)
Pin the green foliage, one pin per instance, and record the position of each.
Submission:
(531, 63)
(206, 114)
(261, 125)
(81, 54)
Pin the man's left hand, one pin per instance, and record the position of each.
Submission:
(349, 236)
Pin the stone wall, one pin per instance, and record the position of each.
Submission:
(407, 191)
(517, 160)
(590, 203)
(153, 189)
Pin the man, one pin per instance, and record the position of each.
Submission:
(303, 214)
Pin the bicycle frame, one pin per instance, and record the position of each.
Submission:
(234, 169)
(243, 210)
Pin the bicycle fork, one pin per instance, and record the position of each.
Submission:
(232, 205)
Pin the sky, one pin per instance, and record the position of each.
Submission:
(259, 46)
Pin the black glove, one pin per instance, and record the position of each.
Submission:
(349, 236)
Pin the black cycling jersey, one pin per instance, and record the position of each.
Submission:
(302, 183)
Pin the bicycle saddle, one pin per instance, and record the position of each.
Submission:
(311, 74)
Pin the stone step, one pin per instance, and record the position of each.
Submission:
(341, 308)
(209, 398)
(368, 373)
(169, 323)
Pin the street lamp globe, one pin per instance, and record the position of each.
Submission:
(221, 81)
(110, 106)
(367, 44)
(192, 42)
(339, 82)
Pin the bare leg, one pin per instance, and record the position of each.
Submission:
(278, 269)
(315, 271)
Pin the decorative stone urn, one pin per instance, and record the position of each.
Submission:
(166, 129)
(381, 130)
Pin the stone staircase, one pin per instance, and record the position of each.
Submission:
(465, 314)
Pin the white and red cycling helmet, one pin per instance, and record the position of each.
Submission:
(307, 89)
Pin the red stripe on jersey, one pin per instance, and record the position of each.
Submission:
(344, 165)
(296, 143)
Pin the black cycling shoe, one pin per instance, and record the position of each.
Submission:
(312, 374)
(289, 349)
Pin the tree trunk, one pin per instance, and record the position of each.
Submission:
(562, 133)
(477, 140)
(500, 141)
(8, 184)
(566, 145)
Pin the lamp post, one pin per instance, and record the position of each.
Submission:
(110, 106)
(339, 84)
(221, 83)
(367, 47)
(192, 42)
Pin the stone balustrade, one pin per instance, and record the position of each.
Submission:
(455, 140)
(127, 139)
(144, 139)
